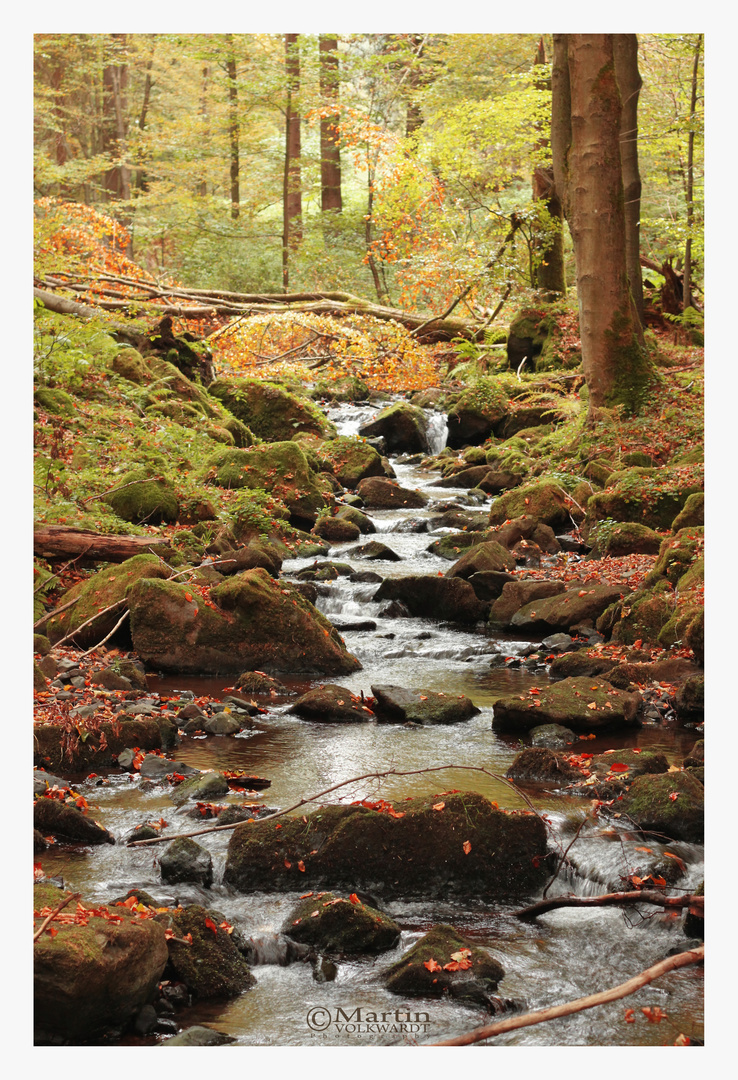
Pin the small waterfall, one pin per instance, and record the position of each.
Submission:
(437, 430)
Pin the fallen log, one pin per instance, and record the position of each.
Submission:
(64, 542)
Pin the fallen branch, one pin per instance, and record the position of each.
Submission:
(513, 1023)
(57, 611)
(55, 912)
(334, 787)
(58, 541)
(92, 619)
(638, 896)
(107, 637)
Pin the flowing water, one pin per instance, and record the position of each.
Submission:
(563, 955)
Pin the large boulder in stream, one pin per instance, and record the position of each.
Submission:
(482, 557)
(516, 594)
(67, 823)
(579, 704)
(396, 703)
(210, 965)
(270, 410)
(93, 974)
(350, 460)
(332, 704)
(403, 427)
(252, 622)
(450, 844)
(583, 604)
(341, 925)
(280, 468)
(445, 962)
(431, 597)
(380, 493)
(668, 803)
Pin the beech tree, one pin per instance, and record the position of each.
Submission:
(586, 131)
(330, 151)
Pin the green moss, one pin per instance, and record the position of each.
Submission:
(143, 497)
(635, 373)
(334, 924)
(212, 966)
(269, 410)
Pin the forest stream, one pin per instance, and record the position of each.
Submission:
(559, 956)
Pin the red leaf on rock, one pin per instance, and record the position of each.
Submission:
(630, 1016)
(354, 898)
(301, 866)
(211, 925)
(466, 847)
(432, 965)
(654, 1014)
(619, 767)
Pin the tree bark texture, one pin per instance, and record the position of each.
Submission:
(550, 273)
(588, 171)
(63, 542)
(233, 128)
(330, 152)
(115, 121)
(625, 54)
(293, 179)
(687, 289)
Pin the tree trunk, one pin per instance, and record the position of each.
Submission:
(550, 273)
(330, 153)
(587, 154)
(687, 286)
(63, 542)
(141, 181)
(202, 186)
(625, 53)
(233, 127)
(293, 178)
(116, 180)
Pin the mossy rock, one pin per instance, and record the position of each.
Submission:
(364, 524)
(67, 823)
(269, 410)
(582, 704)
(144, 497)
(544, 765)
(185, 860)
(54, 401)
(543, 500)
(331, 704)
(579, 663)
(403, 427)
(474, 416)
(652, 497)
(96, 593)
(640, 616)
(241, 434)
(694, 637)
(349, 388)
(565, 610)
(41, 645)
(676, 556)
(131, 365)
(257, 624)
(533, 335)
(437, 965)
(351, 460)
(415, 851)
(428, 596)
(453, 545)
(649, 804)
(180, 386)
(50, 747)
(482, 557)
(90, 980)
(337, 530)
(385, 494)
(628, 538)
(421, 706)
(279, 468)
(346, 927)
(211, 967)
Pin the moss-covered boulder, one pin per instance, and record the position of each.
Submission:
(51, 748)
(331, 704)
(95, 594)
(692, 513)
(279, 468)
(185, 860)
(91, 979)
(374, 551)
(131, 365)
(677, 555)
(384, 494)
(626, 538)
(144, 497)
(695, 759)
(269, 410)
(474, 416)
(67, 823)
(336, 529)
(345, 926)
(431, 597)
(543, 500)
(445, 962)
(211, 966)
(518, 594)
(670, 803)
(482, 557)
(350, 460)
(464, 478)
(582, 704)
(533, 336)
(419, 706)
(363, 522)
(451, 844)
(567, 609)
(452, 545)
(690, 699)
(639, 617)
(202, 787)
(652, 497)
(580, 663)
(526, 527)
(403, 427)
(254, 623)
(488, 584)
(538, 764)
